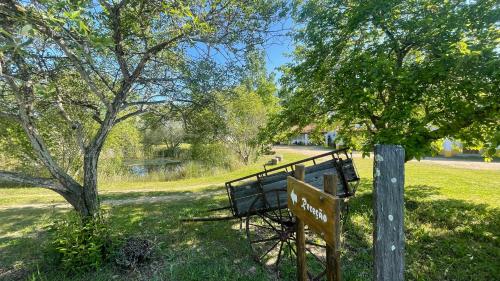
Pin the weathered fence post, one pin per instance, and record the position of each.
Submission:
(388, 204)
(300, 173)
(333, 271)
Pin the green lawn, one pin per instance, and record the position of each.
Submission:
(452, 227)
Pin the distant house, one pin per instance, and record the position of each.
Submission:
(303, 138)
(451, 147)
(330, 138)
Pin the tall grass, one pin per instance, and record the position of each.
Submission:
(186, 170)
(199, 160)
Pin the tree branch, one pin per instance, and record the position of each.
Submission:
(149, 53)
(117, 37)
(51, 184)
(10, 116)
(24, 96)
(156, 102)
(75, 125)
(43, 28)
(131, 114)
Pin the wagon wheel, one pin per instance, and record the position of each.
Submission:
(271, 234)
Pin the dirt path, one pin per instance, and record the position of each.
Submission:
(119, 202)
(450, 162)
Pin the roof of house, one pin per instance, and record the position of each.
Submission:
(306, 130)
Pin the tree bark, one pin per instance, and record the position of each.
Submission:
(90, 196)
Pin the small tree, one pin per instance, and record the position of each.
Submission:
(246, 116)
(128, 58)
(239, 110)
(407, 72)
(170, 133)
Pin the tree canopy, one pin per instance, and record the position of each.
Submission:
(398, 72)
(239, 111)
(85, 66)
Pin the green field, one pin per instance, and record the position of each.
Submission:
(452, 226)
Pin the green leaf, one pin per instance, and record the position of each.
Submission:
(26, 29)
(72, 15)
(83, 27)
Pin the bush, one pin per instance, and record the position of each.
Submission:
(77, 245)
(213, 154)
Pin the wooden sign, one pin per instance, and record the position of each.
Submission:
(314, 207)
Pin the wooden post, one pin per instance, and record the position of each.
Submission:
(333, 271)
(388, 236)
(300, 173)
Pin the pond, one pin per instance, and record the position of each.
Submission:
(145, 167)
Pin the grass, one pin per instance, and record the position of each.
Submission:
(452, 223)
(112, 190)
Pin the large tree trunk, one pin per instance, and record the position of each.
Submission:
(89, 196)
(89, 191)
(83, 198)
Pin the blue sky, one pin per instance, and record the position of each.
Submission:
(278, 48)
(276, 55)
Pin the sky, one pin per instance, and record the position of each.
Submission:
(276, 55)
(278, 48)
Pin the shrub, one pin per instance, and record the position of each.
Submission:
(78, 245)
(213, 154)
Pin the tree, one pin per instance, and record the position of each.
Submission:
(256, 79)
(242, 110)
(170, 133)
(123, 66)
(406, 72)
(246, 115)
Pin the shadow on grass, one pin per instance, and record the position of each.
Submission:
(446, 239)
(186, 251)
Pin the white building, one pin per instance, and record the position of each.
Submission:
(303, 138)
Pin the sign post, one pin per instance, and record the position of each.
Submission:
(300, 174)
(321, 212)
(333, 271)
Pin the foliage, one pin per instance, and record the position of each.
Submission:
(256, 79)
(214, 154)
(246, 116)
(15, 149)
(237, 116)
(77, 69)
(169, 133)
(407, 72)
(80, 245)
(123, 143)
(206, 125)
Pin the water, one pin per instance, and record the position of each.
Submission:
(145, 167)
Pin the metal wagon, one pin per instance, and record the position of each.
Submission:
(260, 201)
